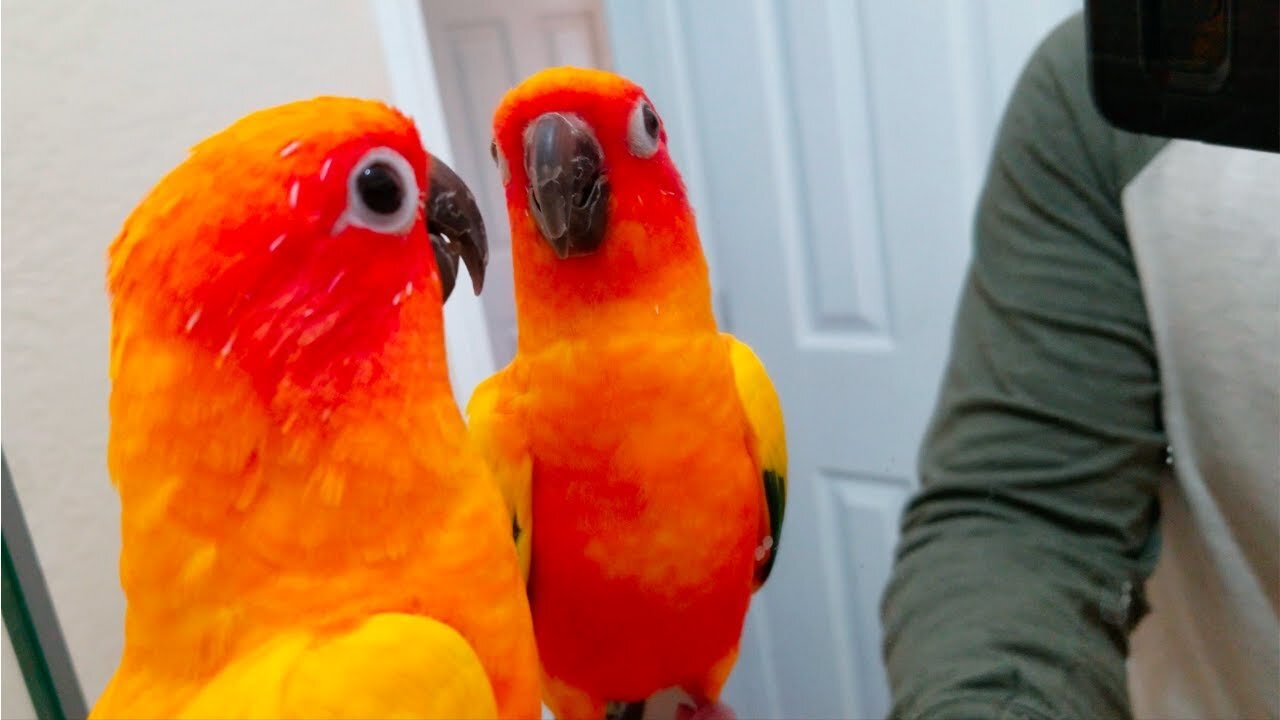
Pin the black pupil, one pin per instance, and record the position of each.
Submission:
(650, 122)
(380, 188)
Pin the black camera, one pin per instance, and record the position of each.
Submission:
(1199, 69)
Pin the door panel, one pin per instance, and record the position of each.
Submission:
(833, 150)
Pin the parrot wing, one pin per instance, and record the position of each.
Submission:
(499, 437)
(391, 666)
(764, 415)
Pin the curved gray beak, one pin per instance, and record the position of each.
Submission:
(568, 189)
(456, 228)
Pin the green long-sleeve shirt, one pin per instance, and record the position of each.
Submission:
(1022, 563)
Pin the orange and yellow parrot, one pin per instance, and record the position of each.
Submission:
(641, 450)
(307, 532)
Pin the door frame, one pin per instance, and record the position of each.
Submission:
(416, 92)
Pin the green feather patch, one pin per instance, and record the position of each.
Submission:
(775, 496)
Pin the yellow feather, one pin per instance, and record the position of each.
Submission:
(391, 666)
(500, 439)
(760, 400)
(764, 414)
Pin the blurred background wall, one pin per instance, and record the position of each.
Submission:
(99, 100)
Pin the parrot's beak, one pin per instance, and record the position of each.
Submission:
(456, 228)
(568, 190)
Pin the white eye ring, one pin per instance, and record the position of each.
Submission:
(500, 161)
(382, 193)
(644, 130)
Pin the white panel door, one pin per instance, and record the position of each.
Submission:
(480, 49)
(834, 151)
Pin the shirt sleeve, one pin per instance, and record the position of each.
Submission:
(1020, 567)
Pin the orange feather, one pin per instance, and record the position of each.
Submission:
(646, 481)
(293, 472)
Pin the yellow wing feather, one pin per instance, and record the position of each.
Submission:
(500, 439)
(391, 666)
(764, 414)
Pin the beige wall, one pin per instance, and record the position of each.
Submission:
(99, 100)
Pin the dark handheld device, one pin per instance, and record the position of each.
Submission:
(1204, 70)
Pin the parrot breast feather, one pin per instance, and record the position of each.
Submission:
(764, 415)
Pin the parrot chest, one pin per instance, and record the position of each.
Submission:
(317, 547)
(617, 431)
(646, 506)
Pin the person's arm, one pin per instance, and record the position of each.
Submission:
(1020, 569)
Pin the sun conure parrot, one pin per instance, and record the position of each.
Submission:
(306, 530)
(641, 450)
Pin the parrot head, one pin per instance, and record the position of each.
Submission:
(597, 206)
(296, 242)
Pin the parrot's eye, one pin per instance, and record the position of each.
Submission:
(382, 193)
(499, 161)
(380, 188)
(643, 130)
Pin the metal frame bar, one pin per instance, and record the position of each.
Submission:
(30, 620)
